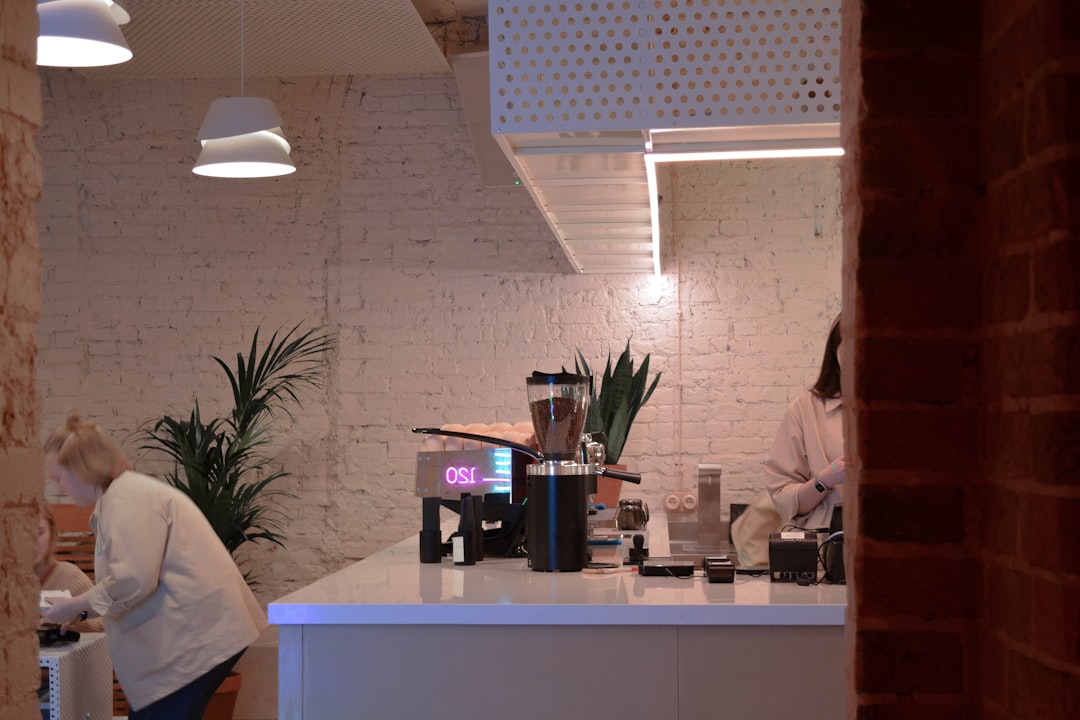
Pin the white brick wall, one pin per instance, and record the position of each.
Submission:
(445, 294)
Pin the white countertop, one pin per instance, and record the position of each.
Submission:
(393, 587)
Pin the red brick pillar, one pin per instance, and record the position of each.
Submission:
(961, 299)
(21, 486)
(1030, 485)
(911, 304)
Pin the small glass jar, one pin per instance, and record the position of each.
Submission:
(633, 514)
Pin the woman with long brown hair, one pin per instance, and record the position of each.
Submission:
(805, 470)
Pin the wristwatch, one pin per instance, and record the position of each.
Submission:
(820, 487)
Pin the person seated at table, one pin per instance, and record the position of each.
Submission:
(54, 574)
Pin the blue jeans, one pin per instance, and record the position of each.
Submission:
(190, 701)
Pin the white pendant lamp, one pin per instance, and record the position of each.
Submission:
(81, 33)
(241, 136)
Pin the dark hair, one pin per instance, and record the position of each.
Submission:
(828, 382)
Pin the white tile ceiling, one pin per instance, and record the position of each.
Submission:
(282, 38)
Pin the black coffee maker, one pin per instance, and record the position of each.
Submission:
(559, 485)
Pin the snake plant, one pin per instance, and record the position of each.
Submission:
(616, 398)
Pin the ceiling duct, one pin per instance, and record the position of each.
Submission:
(584, 106)
(474, 87)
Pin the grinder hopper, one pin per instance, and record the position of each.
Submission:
(558, 404)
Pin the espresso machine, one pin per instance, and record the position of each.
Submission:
(563, 475)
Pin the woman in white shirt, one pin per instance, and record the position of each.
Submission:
(805, 470)
(177, 612)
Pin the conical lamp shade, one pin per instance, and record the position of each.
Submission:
(242, 137)
(231, 116)
(255, 155)
(80, 33)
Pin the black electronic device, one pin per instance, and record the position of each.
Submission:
(793, 557)
(718, 569)
(832, 559)
(51, 634)
(666, 567)
(492, 470)
(832, 550)
(836, 522)
(493, 478)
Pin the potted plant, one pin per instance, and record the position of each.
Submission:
(614, 402)
(221, 463)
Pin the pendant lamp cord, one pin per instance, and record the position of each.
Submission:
(241, 48)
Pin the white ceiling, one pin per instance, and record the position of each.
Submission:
(592, 187)
(291, 38)
(186, 39)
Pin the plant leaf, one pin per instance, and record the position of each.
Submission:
(221, 464)
(617, 398)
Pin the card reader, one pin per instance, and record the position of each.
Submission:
(718, 569)
(666, 567)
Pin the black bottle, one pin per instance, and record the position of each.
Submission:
(463, 541)
(478, 525)
(430, 534)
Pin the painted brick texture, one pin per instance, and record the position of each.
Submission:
(445, 294)
(20, 405)
(1029, 629)
(912, 264)
(966, 381)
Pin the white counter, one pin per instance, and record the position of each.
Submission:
(390, 637)
(394, 587)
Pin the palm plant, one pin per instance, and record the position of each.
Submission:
(221, 463)
(615, 400)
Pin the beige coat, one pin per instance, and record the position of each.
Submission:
(173, 601)
(811, 436)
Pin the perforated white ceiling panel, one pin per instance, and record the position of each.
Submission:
(625, 64)
(584, 91)
(282, 38)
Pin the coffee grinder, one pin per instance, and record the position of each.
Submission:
(556, 515)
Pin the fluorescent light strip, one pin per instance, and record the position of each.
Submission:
(758, 154)
(652, 158)
(654, 212)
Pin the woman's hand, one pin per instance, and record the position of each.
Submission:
(833, 475)
(65, 611)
